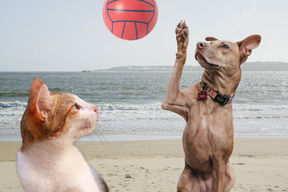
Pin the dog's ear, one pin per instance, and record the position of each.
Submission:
(246, 46)
(211, 39)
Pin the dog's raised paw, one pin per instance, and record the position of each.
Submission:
(182, 35)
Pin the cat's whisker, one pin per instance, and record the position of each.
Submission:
(99, 135)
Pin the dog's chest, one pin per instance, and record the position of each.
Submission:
(208, 128)
(209, 116)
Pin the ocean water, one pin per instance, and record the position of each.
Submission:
(130, 102)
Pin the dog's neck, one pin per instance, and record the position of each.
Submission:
(226, 85)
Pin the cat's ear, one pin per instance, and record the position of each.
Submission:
(40, 100)
(35, 87)
(44, 102)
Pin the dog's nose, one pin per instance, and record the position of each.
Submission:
(201, 45)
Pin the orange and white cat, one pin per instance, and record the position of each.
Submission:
(48, 161)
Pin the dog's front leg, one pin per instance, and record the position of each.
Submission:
(218, 174)
(174, 99)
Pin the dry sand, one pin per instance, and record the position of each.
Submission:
(261, 164)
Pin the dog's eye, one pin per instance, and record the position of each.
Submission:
(225, 47)
(76, 106)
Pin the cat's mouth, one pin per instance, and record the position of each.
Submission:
(89, 125)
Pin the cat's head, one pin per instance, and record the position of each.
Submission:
(55, 115)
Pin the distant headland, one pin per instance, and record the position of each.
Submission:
(249, 66)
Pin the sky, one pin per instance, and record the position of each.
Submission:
(70, 35)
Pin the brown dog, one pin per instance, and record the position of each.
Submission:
(207, 109)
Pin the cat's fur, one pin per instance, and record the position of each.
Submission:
(48, 161)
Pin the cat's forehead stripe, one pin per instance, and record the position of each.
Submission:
(68, 98)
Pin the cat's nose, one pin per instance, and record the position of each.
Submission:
(95, 109)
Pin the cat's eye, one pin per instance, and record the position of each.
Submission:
(76, 106)
(225, 47)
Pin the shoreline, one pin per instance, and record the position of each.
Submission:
(130, 138)
(260, 164)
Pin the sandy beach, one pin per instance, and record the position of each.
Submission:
(261, 164)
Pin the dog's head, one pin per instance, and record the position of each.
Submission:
(225, 55)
